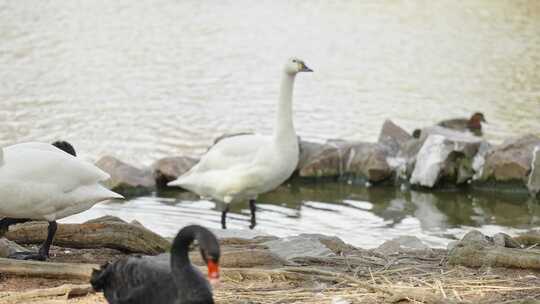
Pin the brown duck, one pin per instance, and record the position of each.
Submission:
(473, 124)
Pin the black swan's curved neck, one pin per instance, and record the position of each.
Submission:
(208, 244)
(180, 248)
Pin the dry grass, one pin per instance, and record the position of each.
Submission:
(358, 277)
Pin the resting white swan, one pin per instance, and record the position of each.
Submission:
(39, 181)
(241, 167)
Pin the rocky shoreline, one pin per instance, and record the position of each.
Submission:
(307, 268)
(439, 158)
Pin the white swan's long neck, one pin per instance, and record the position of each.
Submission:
(284, 127)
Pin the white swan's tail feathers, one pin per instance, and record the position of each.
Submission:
(176, 183)
(104, 194)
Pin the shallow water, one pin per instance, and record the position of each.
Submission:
(363, 216)
(145, 79)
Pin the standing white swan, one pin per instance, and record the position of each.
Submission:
(241, 167)
(40, 181)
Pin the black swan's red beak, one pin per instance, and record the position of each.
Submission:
(213, 271)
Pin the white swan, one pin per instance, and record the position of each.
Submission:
(241, 167)
(39, 181)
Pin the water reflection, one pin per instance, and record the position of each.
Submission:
(362, 216)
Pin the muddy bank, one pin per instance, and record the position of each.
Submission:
(312, 268)
(437, 157)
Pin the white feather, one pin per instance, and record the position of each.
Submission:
(39, 181)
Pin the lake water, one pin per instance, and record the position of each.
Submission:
(146, 79)
(362, 216)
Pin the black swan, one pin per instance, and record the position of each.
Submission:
(147, 279)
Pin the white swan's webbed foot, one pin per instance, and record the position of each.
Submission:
(224, 217)
(252, 208)
(27, 255)
(43, 253)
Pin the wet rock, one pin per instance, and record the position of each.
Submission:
(245, 258)
(351, 159)
(533, 184)
(308, 150)
(477, 250)
(393, 137)
(511, 161)
(401, 244)
(303, 245)
(126, 179)
(504, 240)
(446, 157)
(170, 168)
(8, 248)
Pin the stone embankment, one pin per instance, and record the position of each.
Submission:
(438, 158)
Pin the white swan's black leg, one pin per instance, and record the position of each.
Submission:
(224, 216)
(43, 252)
(252, 208)
(46, 246)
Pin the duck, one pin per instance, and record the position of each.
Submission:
(41, 181)
(164, 279)
(239, 168)
(472, 124)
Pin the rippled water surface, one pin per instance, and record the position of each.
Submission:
(145, 79)
(364, 217)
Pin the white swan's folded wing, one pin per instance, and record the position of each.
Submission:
(230, 152)
(35, 162)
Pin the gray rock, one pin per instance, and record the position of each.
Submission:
(401, 244)
(340, 158)
(511, 161)
(125, 178)
(449, 156)
(533, 184)
(504, 240)
(477, 237)
(308, 150)
(8, 248)
(170, 168)
(393, 137)
(304, 245)
(451, 245)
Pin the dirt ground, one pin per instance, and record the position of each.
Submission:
(358, 277)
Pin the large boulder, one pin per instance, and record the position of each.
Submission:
(308, 150)
(393, 136)
(170, 168)
(511, 161)
(8, 248)
(125, 178)
(445, 156)
(308, 245)
(352, 159)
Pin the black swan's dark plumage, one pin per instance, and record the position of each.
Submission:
(146, 279)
